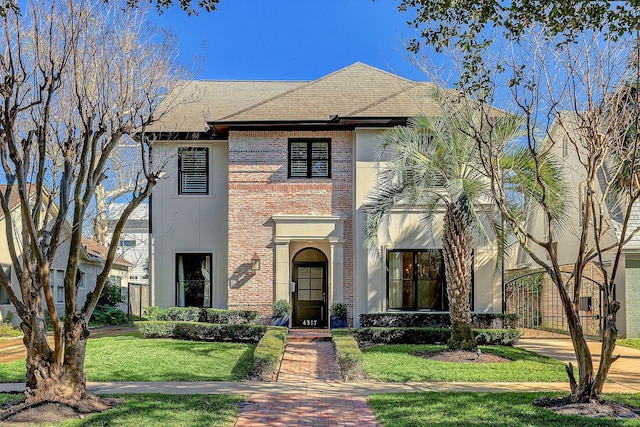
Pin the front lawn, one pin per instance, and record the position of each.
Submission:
(162, 410)
(131, 358)
(629, 342)
(396, 363)
(452, 409)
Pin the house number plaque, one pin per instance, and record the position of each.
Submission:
(310, 322)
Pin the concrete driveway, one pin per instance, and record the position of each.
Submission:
(625, 372)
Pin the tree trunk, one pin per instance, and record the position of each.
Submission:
(64, 383)
(457, 249)
(582, 390)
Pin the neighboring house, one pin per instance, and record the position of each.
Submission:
(627, 280)
(133, 246)
(134, 240)
(119, 273)
(90, 264)
(264, 198)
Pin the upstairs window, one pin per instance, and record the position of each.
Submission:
(309, 158)
(193, 170)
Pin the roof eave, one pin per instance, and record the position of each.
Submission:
(222, 128)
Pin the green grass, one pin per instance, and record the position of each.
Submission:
(449, 409)
(165, 410)
(396, 363)
(629, 342)
(131, 358)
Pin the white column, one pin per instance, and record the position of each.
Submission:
(282, 270)
(336, 271)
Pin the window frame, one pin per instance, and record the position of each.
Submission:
(211, 278)
(181, 172)
(309, 159)
(4, 297)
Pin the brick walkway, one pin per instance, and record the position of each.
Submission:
(309, 358)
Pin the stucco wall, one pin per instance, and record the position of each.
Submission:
(188, 223)
(406, 230)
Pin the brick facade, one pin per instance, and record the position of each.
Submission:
(259, 188)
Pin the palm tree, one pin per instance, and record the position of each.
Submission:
(431, 163)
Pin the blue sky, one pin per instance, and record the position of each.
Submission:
(292, 39)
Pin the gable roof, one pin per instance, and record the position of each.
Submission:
(14, 197)
(98, 251)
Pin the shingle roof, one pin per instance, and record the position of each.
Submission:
(97, 250)
(197, 101)
(358, 90)
(14, 198)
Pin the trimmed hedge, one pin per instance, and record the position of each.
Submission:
(268, 353)
(203, 315)
(432, 336)
(232, 317)
(435, 320)
(197, 331)
(348, 355)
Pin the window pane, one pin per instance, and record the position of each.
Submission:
(316, 295)
(316, 284)
(320, 168)
(304, 283)
(299, 151)
(299, 168)
(304, 295)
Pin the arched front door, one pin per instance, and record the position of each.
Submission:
(310, 293)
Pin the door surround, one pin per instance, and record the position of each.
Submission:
(313, 230)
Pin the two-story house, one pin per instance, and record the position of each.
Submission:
(264, 198)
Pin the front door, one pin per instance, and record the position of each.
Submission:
(310, 295)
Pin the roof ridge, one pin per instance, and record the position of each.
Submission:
(309, 83)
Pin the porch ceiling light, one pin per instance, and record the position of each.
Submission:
(255, 262)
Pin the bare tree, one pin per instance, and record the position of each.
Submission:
(121, 175)
(77, 78)
(578, 103)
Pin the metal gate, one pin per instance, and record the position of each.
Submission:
(534, 298)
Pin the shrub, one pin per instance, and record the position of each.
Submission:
(281, 308)
(338, 309)
(8, 331)
(497, 336)
(436, 320)
(108, 315)
(217, 315)
(8, 318)
(111, 295)
(205, 315)
(196, 331)
(432, 336)
(173, 313)
(348, 355)
(268, 353)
